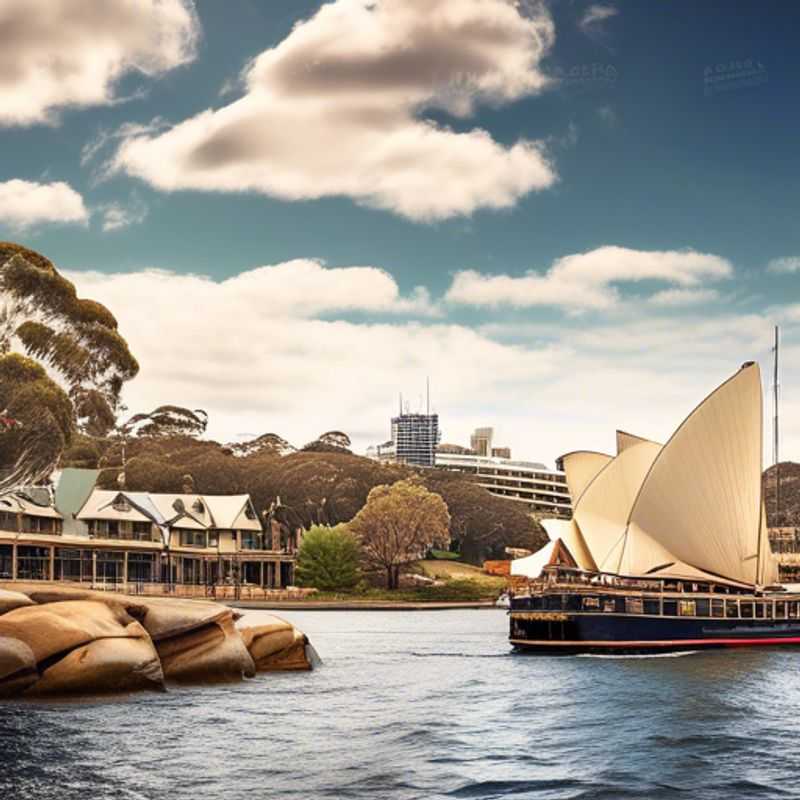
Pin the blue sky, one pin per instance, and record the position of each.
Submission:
(650, 128)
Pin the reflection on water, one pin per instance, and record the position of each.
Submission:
(422, 705)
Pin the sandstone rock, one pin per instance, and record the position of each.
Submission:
(57, 628)
(278, 645)
(212, 652)
(11, 600)
(105, 665)
(17, 667)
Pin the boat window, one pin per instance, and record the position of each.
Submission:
(652, 607)
(554, 602)
(609, 605)
(780, 609)
(573, 602)
(537, 603)
(687, 608)
(760, 610)
(747, 609)
(792, 609)
(731, 608)
(591, 602)
(671, 608)
(634, 605)
(717, 608)
(702, 608)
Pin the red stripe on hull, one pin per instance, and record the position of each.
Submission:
(727, 642)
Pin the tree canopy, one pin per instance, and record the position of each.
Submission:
(398, 525)
(328, 559)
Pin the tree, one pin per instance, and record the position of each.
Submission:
(399, 524)
(167, 421)
(328, 559)
(62, 362)
(330, 442)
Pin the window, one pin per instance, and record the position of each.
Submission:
(746, 609)
(717, 608)
(760, 610)
(671, 608)
(731, 609)
(193, 538)
(687, 608)
(591, 603)
(792, 609)
(780, 609)
(703, 608)
(634, 605)
(554, 602)
(608, 605)
(652, 607)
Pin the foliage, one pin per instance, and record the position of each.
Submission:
(330, 442)
(328, 559)
(35, 424)
(398, 524)
(75, 339)
(167, 421)
(445, 555)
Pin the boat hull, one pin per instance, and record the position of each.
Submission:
(569, 634)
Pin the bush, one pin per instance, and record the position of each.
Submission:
(328, 559)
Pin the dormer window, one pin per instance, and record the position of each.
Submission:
(121, 504)
(198, 506)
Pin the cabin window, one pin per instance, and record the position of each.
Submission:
(703, 608)
(791, 609)
(760, 610)
(780, 609)
(554, 602)
(591, 602)
(537, 603)
(652, 607)
(573, 603)
(746, 609)
(731, 609)
(634, 605)
(670, 608)
(609, 605)
(687, 608)
(717, 608)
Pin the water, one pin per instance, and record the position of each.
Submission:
(427, 705)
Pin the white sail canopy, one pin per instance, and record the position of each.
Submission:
(552, 553)
(691, 507)
(570, 534)
(580, 468)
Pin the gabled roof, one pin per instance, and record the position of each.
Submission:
(18, 503)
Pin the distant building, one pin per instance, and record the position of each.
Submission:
(501, 452)
(541, 489)
(414, 439)
(481, 441)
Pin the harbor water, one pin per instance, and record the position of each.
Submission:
(428, 704)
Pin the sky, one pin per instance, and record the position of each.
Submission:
(573, 216)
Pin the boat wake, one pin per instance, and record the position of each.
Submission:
(623, 656)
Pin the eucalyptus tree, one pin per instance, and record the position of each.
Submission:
(63, 361)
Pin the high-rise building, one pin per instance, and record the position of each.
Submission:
(481, 441)
(415, 437)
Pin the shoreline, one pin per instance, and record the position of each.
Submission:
(354, 605)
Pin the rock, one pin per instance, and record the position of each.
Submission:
(165, 617)
(278, 645)
(17, 667)
(211, 652)
(11, 600)
(105, 665)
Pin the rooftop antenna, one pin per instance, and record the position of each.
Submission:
(775, 426)
(401, 404)
(428, 395)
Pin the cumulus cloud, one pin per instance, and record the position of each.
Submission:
(117, 216)
(27, 203)
(60, 53)
(787, 264)
(588, 280)
(683, 297)
(336, 109)
(283, 348)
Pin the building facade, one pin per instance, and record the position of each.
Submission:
(121, 538)
(541, 489)
(414, 441)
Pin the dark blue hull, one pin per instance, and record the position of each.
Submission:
(566, 633)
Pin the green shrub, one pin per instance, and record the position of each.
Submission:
(329, 559)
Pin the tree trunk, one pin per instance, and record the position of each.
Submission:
(390, 578)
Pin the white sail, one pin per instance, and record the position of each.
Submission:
(580, 468)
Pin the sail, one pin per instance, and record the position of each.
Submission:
(555, 552)
(626, 440)
(701, 499)
(568, 531)
(580, 468)
(603, 510)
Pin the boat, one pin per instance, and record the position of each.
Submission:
(667, 549)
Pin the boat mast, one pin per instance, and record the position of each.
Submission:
(775, 430)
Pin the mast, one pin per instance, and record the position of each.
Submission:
(775, 428)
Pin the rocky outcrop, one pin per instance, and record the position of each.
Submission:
(57, 640)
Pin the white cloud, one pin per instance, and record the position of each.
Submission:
(335, 109)
(27, 203)
(256, 353)
(61, 53)
(595, 16)
(786, 264)
(588, 280)
(117, 216)
(683, 297)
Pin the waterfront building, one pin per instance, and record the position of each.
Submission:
(542, 490)
(119, 538)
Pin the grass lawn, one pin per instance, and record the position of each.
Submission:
(455, 570)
